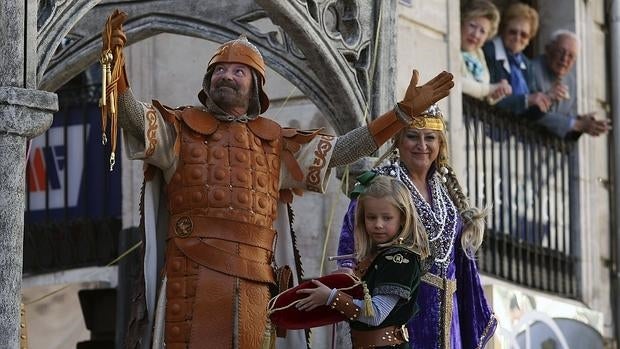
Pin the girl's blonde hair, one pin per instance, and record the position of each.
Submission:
(412, 234)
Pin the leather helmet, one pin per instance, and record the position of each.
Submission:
(242, 51)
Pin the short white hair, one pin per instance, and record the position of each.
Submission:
(561, 33)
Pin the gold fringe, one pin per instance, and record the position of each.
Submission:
(368, 308)
(269, 336)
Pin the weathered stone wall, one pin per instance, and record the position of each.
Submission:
(24, 113)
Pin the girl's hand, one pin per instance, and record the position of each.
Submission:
(316, 296)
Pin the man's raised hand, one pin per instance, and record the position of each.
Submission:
(419, 98)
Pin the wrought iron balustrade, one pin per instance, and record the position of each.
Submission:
(526, 175)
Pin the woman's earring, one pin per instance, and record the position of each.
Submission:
(395, 156)
(443, 171)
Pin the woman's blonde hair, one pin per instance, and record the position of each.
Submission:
(481, 8)
(520, 11)
(474, 218)
(412, 234)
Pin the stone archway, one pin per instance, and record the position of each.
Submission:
(340, 53)
(327, 49)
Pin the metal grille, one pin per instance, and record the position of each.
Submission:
(527, 176)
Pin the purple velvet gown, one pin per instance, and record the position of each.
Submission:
(472, 322)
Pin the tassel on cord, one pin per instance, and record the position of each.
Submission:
(112, 62)
(369, 311)
(269, 336)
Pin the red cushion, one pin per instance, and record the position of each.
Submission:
(293, 319)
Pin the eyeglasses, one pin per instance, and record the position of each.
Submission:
(520, 33)
(564, 53)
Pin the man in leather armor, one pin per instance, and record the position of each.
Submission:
(225, 167)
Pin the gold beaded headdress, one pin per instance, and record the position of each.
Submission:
(431, 119)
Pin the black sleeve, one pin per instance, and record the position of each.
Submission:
(397, 272)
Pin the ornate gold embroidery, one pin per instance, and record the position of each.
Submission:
(151, 133)
(313, 179)
(448, 291)
(427, 123)
(397, 258)
(485, 333)
(448, 287)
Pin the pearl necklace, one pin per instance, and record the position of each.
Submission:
(438, 219)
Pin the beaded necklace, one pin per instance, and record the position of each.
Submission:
(439, 219)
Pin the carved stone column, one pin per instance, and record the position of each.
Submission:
(24, 113)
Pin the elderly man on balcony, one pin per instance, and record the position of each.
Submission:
(551, 72)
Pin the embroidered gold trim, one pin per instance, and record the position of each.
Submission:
(485, 333)
(448, 291)
(313, 179)
(429, 123)
(449, 288)
(151, 133)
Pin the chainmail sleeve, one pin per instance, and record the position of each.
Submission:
(359, 142)
(131, 115)
(352, 146)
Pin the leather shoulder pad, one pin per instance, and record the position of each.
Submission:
(300, 136)
(199, 120)
(264, 128)
(169, 114)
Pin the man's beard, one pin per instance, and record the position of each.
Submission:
(228, 96)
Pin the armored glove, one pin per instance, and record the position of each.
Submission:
(419, 98)
(114, 36)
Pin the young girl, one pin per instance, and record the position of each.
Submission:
(389, 247)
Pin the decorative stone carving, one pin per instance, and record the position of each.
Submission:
(341, 22)
(323, 47)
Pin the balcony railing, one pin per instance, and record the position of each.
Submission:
(527, 176)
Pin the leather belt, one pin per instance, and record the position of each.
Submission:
(224, 262)
(386, 336)
(184, 226)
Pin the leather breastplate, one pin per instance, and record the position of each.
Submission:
(226, 170)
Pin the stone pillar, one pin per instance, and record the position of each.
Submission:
(24, 113)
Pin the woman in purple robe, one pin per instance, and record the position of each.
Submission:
(454, 312)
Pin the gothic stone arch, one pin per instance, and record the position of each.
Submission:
(328, 49)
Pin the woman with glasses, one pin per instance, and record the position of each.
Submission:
(479, 20)
(505, 59)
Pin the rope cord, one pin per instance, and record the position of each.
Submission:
(272, 301)
(327, 234)
(365, 118)
(60, 289)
